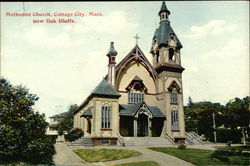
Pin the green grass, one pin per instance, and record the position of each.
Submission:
(202, 157)
(139, 163)
(102, 154)
(243, 147)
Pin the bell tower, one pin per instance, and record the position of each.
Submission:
(166, 59)
(166, 45)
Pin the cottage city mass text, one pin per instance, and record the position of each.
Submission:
(55, 14)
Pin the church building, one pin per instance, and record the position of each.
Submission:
(138, 98)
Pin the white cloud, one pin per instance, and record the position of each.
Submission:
(219, 75)
(115, 22)
(213, 27)
(39, 36)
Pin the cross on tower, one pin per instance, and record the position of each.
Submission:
(136, 38)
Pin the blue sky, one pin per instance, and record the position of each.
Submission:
(62, 63)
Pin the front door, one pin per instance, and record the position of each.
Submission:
(142, 125)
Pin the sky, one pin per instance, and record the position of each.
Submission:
(63, 62)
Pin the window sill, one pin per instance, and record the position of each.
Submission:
(106, 129)
(175, 103)
(175, 130)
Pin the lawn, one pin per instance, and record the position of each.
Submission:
(139, 163)
(102, 154)
(202, 157)
(243, 147)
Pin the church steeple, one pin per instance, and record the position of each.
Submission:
(166, 45)
(164, 12)
(111, 66)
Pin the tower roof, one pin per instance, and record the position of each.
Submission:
(162, 34)
(164, 8)
(112, 49)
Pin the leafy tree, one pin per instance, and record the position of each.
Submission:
(199, 117)
(65, 120)
(237, 115)
(233, 116)
(22, 130)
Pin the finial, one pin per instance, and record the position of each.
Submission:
(164, 8)
(136, 38)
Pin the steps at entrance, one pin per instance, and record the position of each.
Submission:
(83, 141)
(146, 141)
(193, 138)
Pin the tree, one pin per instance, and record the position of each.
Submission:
(65, 120)
(237, 115)
(232, 119)
(22, 130)
(199, 117)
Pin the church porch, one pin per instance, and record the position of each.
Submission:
(140, 120)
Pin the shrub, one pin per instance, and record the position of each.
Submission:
(74, 134)
(182, 146)
(229, 143)
(220, 154)
(225, 135)
(223, 153)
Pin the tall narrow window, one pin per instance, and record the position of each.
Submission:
(106, 117)
(171, 54)
(174, 120)
(173, 97)
(157, 56)
(135, 97)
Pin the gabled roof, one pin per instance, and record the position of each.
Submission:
(61, 115)
(87, 113)
(131, 109)
(136, 78)
(105, 89)
(137, 55)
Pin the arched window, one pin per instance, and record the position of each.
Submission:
(173, 97)
(106, 117)
(174, 120)
(171, 54)
(157, 56)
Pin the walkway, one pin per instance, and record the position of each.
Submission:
(65, 156)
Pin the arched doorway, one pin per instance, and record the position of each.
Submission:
(142, 125)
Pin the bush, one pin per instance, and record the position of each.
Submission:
(229, 143)
(225, 135)
(223, 153)
(74, 134)
(182, 146)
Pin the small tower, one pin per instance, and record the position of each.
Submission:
(111, 66)
(164, 12)
(165, 45)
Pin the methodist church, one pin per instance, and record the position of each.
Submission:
(138, 97)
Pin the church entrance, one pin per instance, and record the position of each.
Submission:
(142, 125)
